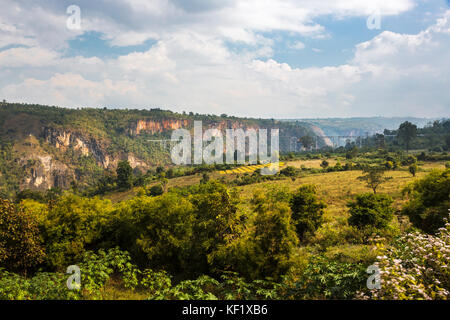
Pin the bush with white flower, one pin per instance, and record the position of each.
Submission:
(415, 267)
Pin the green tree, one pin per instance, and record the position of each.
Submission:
(307, 210)
(20, 245)
(124, 175)
(406, 133)
(170, 173)
(72, 226)
(164, 182)
(413, 169)
(429, 201)
(371, 210)
(324, 164)
(216, 217)
(352, 153)
(374, 177)
(166, 231)
(273, 239)
(307, 142)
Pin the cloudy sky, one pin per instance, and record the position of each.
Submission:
(258, 58)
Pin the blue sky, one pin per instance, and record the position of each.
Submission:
(259, 58)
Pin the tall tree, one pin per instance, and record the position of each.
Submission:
(307, 210)
(406, 133)
(124, 175)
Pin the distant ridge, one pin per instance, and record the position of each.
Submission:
(361, 126)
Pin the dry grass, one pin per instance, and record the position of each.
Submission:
(337, 188)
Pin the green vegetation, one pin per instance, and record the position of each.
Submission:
(371, 210)
(271, 247)
(429, 201)
(124, 175)
(307, 210)
(406, 133)
(374, 177)
(20, 247)
(173, 232)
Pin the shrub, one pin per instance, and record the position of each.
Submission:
(329, 279)
(324, 164)
(414, 267)
(42, 286)
(307, 210)
(371, 210)
(156, 190)
(389, 165)
(97, 268)
(289, 171)
(264, 249)
(274, 239)
(429, 201)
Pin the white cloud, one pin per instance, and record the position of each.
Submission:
(297, 45)
(192, 68)
(133, 22)
(27, 57)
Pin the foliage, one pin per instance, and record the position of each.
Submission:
(329, 279)
(307, 210)
(124, 175)
(406, 133)
(413, 169)
(72, 226)
(42, 286)
(289, 171)
(429, 201)
(274, 238)
(374, 177)
(371, 210)
(20, 243)
(324, 164)
(414, 267)
(97, 269)
(167, 231)
(215, 220)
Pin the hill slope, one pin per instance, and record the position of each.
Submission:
(43, 147)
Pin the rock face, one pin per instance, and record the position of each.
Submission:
(43, 172)
(157, 126)
(76, 141)
(160, 126)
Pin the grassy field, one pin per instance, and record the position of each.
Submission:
(335, 188)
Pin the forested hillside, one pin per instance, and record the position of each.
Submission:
(43, 147)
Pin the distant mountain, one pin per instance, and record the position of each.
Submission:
(361, 126)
